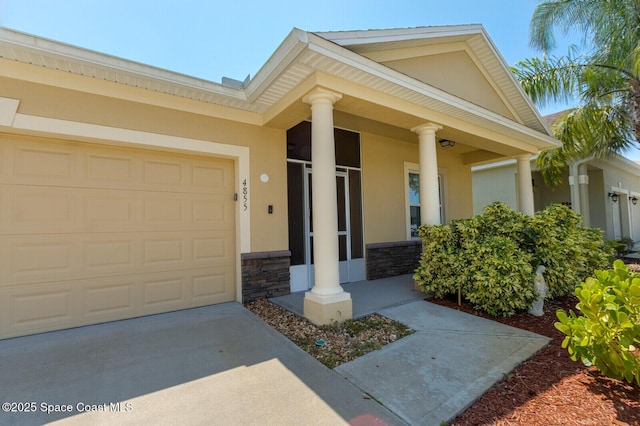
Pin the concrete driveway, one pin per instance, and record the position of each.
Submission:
(214, 365)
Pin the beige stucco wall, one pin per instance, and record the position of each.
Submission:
(267, 146)
(383, 168)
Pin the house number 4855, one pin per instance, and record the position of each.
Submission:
(245, 195)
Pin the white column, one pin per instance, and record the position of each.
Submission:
(327, 301)
(429, 191)
(525, 186)
(583, 190)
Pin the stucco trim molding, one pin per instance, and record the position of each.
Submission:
(8, 111)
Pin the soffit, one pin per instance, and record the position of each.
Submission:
(300, 56)
(377, 78)
(58, 56)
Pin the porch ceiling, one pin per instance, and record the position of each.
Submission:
(357, 114)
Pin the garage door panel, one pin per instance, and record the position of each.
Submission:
(35, 309)
(166, 173)
(51, 161)
(212, 177)
(112, 254)
(211, 288)
(111, 300)
(102, 167)
(164, 251)
(92, 233)
(213, 211)
(212, 249)
(164, 209)
(30, 161)
(109, 208)
(32, 259)
(34, 209)
(57, 257)
(165, 293)
(36, 205)
(39, 210)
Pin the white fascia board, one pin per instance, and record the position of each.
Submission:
(354, 38)
(498, 164)
(341, 54)
(622, 163)
(66, 52)
(283, 57)
(513, 79)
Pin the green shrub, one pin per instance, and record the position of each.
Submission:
(499, 279)
(569, 251)
(621, 247)
(607, 334)
(439, 266)
(500, 220)
(491, 258)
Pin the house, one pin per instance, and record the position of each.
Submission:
(604, 191)
(128, 190)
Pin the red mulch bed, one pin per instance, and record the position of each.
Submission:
(550, 388)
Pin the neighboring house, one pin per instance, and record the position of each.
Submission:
(128, 190)
(604, 191)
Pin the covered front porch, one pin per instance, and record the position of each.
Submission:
(417, 135)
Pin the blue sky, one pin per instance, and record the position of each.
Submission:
(211, 39)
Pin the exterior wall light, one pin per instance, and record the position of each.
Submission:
(634, 200)
(614, 197)
(446, 143)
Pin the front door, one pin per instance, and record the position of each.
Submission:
(302, 276)
(344, 235)
(349, 194)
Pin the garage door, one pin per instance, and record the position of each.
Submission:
(94, 233)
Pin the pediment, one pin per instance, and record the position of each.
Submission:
(457, 74)
(460, 60)
(450, 67)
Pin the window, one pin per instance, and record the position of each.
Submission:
(412, 184)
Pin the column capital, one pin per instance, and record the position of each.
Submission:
(524, 157)
(320, 93)
(426, 128)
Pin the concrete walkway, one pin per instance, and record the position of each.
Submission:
(449, 362)
(437, 372)
(222, 365)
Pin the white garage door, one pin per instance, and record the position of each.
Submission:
(94, 233)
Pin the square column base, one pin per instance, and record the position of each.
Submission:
(322, 310)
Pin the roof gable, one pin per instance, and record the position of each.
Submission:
(460, 60)
(456, 73)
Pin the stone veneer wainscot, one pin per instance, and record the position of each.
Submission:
(392, 259)
(265, 275)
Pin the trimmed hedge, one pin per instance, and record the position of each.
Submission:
(491, 258)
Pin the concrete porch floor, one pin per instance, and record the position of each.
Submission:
(367, 297)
